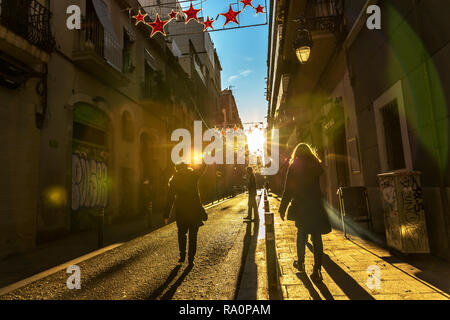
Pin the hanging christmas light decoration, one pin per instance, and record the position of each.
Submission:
(230, 16)
(259, 9)
(140, 17)
(247, 3)
(173, 14)
(158, 26)
(208, 24)
(191, 13)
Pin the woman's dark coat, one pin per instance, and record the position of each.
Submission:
(183, 196)
(302, 187)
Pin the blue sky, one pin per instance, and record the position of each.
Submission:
(243, 55)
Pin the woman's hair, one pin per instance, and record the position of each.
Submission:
(305, 151)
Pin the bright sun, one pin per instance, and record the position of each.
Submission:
(255, 141)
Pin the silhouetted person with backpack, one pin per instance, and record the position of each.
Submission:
(302, 187)
(188, 211)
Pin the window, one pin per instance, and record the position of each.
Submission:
(149, 81)
(392, 131)
(395, 156)
(128, 41)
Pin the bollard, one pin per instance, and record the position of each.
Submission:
(266, 206)
(149, 214)
(271, 254)
(100, 223)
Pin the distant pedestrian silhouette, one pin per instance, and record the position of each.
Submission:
(251, 186)
(188, 211)
(302, 187)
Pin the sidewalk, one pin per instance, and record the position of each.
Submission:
(345, 270)
(72, 246)
(253, 284)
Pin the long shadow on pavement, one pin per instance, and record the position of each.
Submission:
(309, 286)
(433, 270)
(248, 275)
(171, 292)
(312, 291)
(155, 294)
(348, 285)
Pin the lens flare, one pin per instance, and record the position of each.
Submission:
(55, 197)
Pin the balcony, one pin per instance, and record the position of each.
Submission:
(99, 53)
(324, 16)
(155, 93)
(25, 30)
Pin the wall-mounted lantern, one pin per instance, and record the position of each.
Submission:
(303, 45)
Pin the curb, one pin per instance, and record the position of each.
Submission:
(49, 272)
(273, 275)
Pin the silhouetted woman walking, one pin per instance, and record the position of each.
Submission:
(184, 197)
(302, 187)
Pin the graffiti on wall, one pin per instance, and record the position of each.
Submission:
(89, 182)
(414, 229)
(390, 208)
(388, 195)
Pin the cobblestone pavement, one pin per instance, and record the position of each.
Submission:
(345, 270)
(146, 267)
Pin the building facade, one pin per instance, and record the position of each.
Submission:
(233, 174)
(371, 101)
(86, 117)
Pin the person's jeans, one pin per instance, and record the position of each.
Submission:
(252, 206)
(182, 235)
(302, 238)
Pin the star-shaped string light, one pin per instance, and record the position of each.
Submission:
(208, 24)
(259, 9)
(191, 13)
(230, 16)
(173, 14)
(158, 26)
(247, 3)
(140, 17)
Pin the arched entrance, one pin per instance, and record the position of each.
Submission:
(90, 159)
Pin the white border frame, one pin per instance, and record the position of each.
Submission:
(395, 92)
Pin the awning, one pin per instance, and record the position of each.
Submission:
(102, 11)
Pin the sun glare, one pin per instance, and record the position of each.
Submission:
(255, 141)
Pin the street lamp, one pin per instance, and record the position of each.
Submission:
(303, 45)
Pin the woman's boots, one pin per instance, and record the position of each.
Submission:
(300, 266)
(316, 276)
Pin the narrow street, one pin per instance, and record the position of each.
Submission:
(311, 138)
(147, 268)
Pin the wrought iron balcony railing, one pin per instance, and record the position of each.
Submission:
(324, 15)
(94, 37)
(30, 20)
(154, 86)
